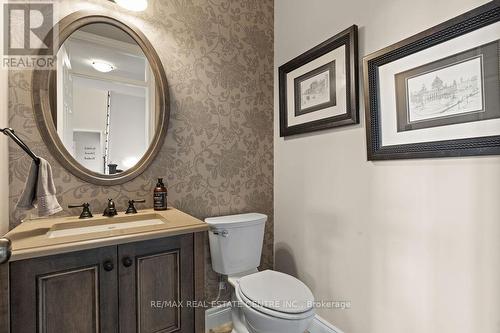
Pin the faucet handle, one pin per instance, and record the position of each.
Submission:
(110, 209)
(86, 213)
(131, 208)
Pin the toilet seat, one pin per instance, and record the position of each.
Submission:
(276, 294)
(273, 313)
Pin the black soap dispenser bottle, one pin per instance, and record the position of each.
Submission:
(160, 196)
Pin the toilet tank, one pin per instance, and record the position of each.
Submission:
(236, 242)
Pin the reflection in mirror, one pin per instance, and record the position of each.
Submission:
(105, 114)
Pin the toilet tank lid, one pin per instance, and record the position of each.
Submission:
(235, 221)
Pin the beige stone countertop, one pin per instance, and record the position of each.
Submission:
(30, 238)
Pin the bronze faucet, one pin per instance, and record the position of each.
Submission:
(110, 211)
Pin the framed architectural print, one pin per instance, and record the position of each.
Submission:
(437, 94)
(319, 89)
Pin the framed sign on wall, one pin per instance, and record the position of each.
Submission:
(319, 88)
(437, 94)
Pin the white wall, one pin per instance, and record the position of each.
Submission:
(89, 108)
(88, 115)
(127, 140)
(414, 245)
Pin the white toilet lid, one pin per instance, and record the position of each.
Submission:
(277, 291)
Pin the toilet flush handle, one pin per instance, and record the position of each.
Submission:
(223, 233)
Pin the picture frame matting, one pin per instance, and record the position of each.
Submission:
(464, 24)
(349, 113)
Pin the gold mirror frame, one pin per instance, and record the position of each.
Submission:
(44, 95)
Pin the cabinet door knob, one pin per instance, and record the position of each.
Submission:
(127, 262)
(108, 266)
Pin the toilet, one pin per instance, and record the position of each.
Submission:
(262, 302)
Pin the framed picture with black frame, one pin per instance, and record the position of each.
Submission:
(437, 94)
(319, 88)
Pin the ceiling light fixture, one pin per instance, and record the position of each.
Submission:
(133, 5)
(102, 66)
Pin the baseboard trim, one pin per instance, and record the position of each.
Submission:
(217, 316)
(320, 325)
(221, 315)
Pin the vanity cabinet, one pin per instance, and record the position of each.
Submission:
(153, 274)
(132, 287)
(71, 292)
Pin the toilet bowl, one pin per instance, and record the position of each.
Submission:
(274, 302)
(262, 302)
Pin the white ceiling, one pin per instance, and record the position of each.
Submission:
(104, 42)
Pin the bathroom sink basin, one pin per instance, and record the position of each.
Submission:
(89, 227)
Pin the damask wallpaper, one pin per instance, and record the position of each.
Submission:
(217, 158)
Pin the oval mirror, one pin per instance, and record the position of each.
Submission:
(103, 111)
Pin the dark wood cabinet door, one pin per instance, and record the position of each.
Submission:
(156, 282)
(74, 292)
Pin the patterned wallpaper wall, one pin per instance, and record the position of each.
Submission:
(218, 155)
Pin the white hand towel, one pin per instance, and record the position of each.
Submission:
(39, 190)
